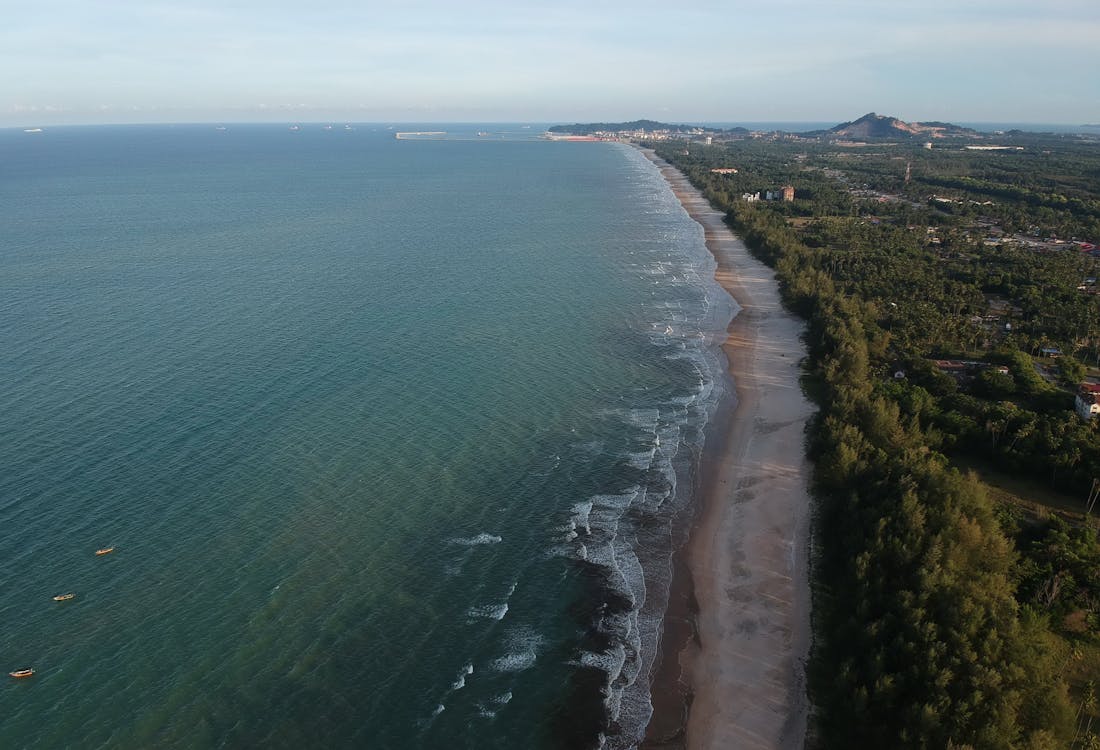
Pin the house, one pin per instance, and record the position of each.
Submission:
(964, 369)
(1087, 405)
(956, 369)
(1087, 402)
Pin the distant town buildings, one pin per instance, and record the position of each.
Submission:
(785, 193)
(695, 134)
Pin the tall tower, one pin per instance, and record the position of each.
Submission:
(907, 172)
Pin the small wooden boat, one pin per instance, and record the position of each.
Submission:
(105, 551)
(63, 597)
(21, 673)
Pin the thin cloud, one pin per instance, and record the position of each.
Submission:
(748, 60)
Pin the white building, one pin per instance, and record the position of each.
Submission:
(1087, 403)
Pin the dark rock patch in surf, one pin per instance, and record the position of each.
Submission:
(581, 719)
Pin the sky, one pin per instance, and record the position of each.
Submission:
(115, 61)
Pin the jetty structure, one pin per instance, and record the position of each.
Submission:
(419, 134)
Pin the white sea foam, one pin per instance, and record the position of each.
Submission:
(581, 513)
(488, 612)
(461, 681)
(516, 662)
(478, 540)
(568, 531)
(521, 651)
(628, 532)
(493, 611)
(488, 709)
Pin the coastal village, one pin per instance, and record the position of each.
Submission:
(875, 203)
(873, 126)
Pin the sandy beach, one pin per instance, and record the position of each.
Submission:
(737, 632)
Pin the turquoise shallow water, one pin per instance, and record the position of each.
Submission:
(387, 436)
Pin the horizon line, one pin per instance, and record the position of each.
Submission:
(516, 121)
(391, 122)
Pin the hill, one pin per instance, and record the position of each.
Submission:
(872, 125)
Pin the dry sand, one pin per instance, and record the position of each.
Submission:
(739, 678)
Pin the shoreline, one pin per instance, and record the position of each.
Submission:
(736, 633)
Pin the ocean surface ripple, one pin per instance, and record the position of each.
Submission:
(389, 437)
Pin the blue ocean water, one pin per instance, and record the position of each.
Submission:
(388, 436)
